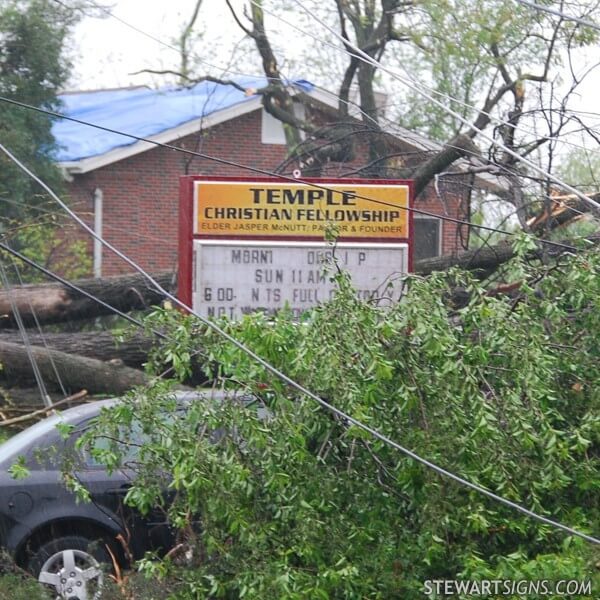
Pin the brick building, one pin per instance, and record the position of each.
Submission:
(128, 190)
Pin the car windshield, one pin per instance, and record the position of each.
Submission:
(20, 442)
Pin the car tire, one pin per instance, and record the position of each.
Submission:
(72, 567)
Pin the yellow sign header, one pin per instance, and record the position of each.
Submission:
(228, 208)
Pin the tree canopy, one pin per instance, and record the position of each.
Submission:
(300, 503)
(33, 73)
(503, 68)
(34, 68)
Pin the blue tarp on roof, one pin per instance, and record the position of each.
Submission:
(142, 112)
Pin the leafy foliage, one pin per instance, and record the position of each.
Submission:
(31, 73)
(298, 504)
(33, 68)
(48, 242)
(582, 169)
(460, 48)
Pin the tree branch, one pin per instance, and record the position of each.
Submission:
(44, 411)
(488, 259)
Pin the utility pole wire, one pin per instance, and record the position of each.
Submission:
(39, 328)
(288, 178)
(419, 88)
(298, 387)
(558, 13)
(353, 104)
(39, 379)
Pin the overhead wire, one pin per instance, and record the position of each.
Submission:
(323, 403)
(493, 118)
(420, 89)
(355, 105)
(39, 328)
(268, 173)
(293, 384)
(348, 102)
(559, 13)
(367, 59)
(46, 400)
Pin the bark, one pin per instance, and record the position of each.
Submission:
(460, 146)
(101, 345)
(93, 344)
(75, 372)
(484, 259)
(488, 259)
(55, 303)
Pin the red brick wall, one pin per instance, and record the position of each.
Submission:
(140, 193)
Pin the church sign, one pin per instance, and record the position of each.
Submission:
(258, 244)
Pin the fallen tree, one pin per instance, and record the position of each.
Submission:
(56, 303)
(488, 258)
(73, 372)
(133, 351)
(100, 345)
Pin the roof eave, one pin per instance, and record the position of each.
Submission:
(85, 165)
(489, 182)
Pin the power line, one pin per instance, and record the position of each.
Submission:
(76, 288)
(30, 355)
(437, 93)
(493, 118)
(283, 377)
(444, 95)
(223, 69)
(558, 13)
(418, 88)
(230, 163)
(39, 328)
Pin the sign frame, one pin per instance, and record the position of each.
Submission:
(187, 220)
(264, 251)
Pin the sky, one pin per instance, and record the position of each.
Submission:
(106, 52)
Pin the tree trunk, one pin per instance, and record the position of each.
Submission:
(487, 259)
(55, 303)
(74, 372)
(101, 345)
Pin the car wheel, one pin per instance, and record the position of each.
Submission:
(71, 566)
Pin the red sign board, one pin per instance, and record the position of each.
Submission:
(370, 212)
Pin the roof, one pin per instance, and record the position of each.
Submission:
(161, 115)
(170, 113)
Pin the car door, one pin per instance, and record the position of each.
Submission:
(108, 491)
